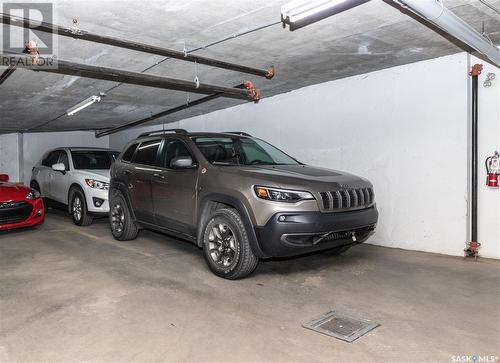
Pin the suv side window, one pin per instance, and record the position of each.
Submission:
(127, 155)
(147, 152)
(63, 158)
(51, 159)
(174, 148)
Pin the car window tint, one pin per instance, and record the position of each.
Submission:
(51, 159)
(254, 152)
(241, 150)
(114, 155)
(63, 158)
(173, 149)
(146, 152)
(92, 159)
(217, 149)
(127, 155)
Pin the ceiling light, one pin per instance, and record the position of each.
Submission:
(300, 13)
(86, 103)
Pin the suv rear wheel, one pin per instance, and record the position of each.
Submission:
(226, 246)
(122, 225)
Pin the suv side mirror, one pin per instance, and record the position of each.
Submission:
(182, 162)
(59, 167)
(4, 178)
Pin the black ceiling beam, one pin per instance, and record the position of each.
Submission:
(162, 114)
(6, 74)
(122, 76)
(158, 115)
(127, 44)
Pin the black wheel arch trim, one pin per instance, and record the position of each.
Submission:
(71, 187)
(122, 187)
(242, 210)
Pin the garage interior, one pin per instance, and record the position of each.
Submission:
(375, 89)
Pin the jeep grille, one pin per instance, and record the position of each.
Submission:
(347, 199)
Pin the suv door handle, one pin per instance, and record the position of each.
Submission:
(159, 176)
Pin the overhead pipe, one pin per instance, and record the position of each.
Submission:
(491, 6)
(128, 44)
(6, 74)
(158, 115)
(123, 76)
(163, 113)
(437, 14)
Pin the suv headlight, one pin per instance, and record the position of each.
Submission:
(33, 194)
(282, 195)
(97, 184)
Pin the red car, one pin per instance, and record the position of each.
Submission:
(20, 206)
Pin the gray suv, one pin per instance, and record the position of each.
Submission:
(237, 197)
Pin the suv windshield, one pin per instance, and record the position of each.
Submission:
(93, 159)
(228, 150)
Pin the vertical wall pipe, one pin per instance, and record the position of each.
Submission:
(475, 72)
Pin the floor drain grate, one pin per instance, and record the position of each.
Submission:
(340, 326)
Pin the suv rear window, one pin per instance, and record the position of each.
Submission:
(147, 152)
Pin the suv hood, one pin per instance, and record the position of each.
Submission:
(301, 177)
(99, 174)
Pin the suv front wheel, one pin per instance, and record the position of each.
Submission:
(123, 226)
(226, 246)
(78, 208)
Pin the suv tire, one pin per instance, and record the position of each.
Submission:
(78, 208)
(226, 246)
(123, 226)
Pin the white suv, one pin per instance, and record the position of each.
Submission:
(77, 177)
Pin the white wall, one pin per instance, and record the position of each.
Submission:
(404, 128)
(10, 151)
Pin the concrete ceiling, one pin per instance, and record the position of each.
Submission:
(370, 37)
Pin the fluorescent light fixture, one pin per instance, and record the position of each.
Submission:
(436, 13)
(86, 103)
(300, 13)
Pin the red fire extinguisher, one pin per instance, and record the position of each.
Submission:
(493, 170)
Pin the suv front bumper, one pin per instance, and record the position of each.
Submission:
(290, 234)
(97, 200)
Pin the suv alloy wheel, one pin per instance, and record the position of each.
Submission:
(122, 225)
(226, 246)
(78, 208)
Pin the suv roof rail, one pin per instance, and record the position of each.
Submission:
(159, 132)
(238, 133)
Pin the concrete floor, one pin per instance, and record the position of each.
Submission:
(75, 294)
